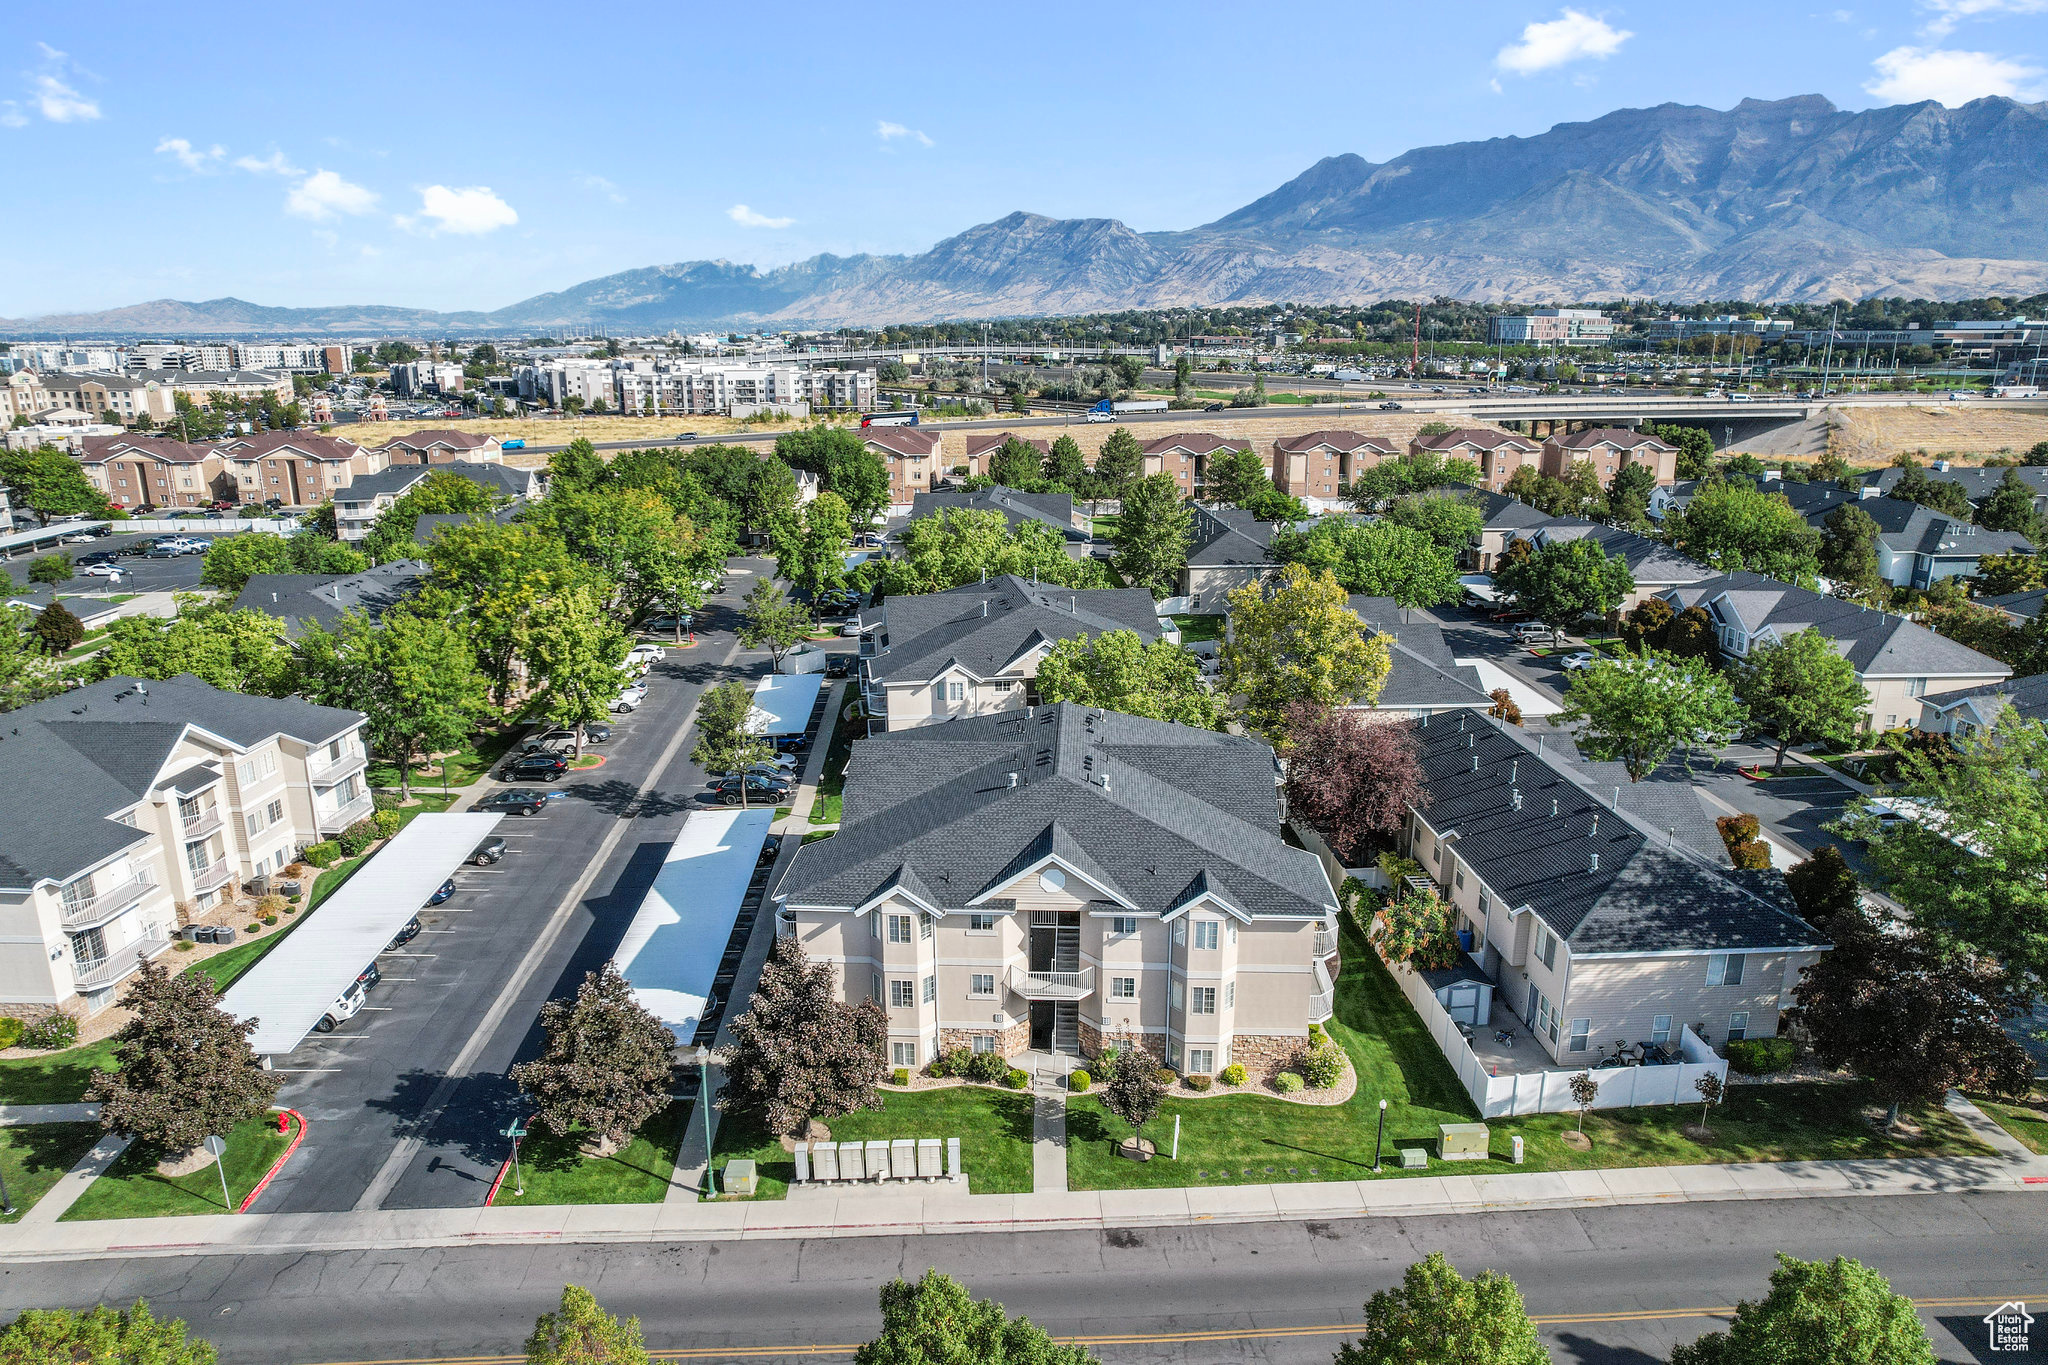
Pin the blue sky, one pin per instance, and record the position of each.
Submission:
(468, 156)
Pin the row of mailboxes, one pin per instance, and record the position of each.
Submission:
(898, 1159)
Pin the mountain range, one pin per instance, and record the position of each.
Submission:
(1782, 200)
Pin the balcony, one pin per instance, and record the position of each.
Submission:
(1326, 943)
(1322, 1002)
(91, 974)
(86, 911)
(325, 772)
(212, 875)
(200, 825)
(1053, 985)
(335, 821)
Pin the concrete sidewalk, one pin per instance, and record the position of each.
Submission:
(942, 1209)
(12, 1115)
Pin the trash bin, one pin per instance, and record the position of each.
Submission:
(1516, 1143)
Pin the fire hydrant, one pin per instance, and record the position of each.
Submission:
(284, 1122)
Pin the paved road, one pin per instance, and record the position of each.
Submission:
(1616, 1286)
(390, 1126)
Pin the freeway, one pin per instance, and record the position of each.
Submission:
(1612, 1286)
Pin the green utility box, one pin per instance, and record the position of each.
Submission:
(1463, 1141)
(740, 1177)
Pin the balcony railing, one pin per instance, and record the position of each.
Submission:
(1321, 1006)
(91, 974)
(333, 822)
(326, 771)
(1326, 942)
(200, 825)
(1053, 985)
(213, 875)
(86, 911)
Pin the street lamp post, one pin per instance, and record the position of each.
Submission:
(1378, 1135)
(703, 1057)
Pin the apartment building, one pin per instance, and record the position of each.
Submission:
(1558, 326)
(134, 806)
(261, 355)
(1898, 661)
(1609, 450)
(201, 385)
(914, 460)
(1496, 454)
(1316, 467)
(1918, 546)
(302, 468)
(1980, 710)
(1186, 456)
(1599, 917)
(22, 395)
(369, 496)
(1053, 510)
(411, 379)
(115, 398)
(154, 471)
(975, 649)
(440, 447)
(1053, 878)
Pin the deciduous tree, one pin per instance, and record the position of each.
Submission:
(101, 1335)
(810, 547)
(1297, 640)
(799, 1052)
(50, 568)
(574, 656)
(1064, 467)
(1118, 671)
(1131, 1088)
(604, 1066)
(1695, 449)
(768, 619)
(2011, 508)
(1376, 558)
(390, 536)
(50, 483)
(186, 1068)
(582, 1333)
(959, 545)
(1235, 477)
(1152, 534)
(1848, 549)
(492, 577)
(1119, 462)
(576, 468)
(415, 678)
(1839, 1312)
(1640, 708)
(1565, 581)
(237, 651)
(936, 1321)
(728, 738)
(57, 629)
(1438, 1317)
(1730, 526)
(1802, 689)
(1451, 521)
(2000, 574)
(26, 675)
(1406, 474)
(1350, 778)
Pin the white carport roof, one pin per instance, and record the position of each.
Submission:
(295, 982)
(783, 703)
(671, 949)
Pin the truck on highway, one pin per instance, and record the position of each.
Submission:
(1114, 409)
(890, 419)
(516, 443)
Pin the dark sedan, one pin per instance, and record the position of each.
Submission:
(441, 893)
(760, 790)
(544, 765)
(837, 665)
(407, 933)
(487, 852)
(524, 800)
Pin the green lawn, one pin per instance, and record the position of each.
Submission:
(131, 1188)
(812, 836)
(554, 1172)
(832, 779)
(1104, 528)
(994, 1128)
(486, 747)
(35, 1157)
(2022, 1121)
(1193, 628)
(55, 1077)
(1259, 1139)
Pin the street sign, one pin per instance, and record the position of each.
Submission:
(516, 1131)
(215, 1146)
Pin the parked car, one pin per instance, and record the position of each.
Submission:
(791, 744)
(771, 846)
(113, 571)
(97, 557)
(630, 698)
(369, 976)
(79, 538)
(1574, 662)
(162, 551)
(646, 654)
(760, 790)
(838, 665)
(1529, 631)
(441, 893)
(594, 732)
(667, 625)
(407, 932)
(346, 1006)
(542, 764)
(487, 852)
(523, 800)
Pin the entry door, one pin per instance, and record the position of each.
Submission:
(1042, 1020)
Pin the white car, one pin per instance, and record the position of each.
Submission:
(113, 571)
(851, 630)
(1574, 662)
(345, 1007)
(630, 699)
(1094, 416)
(79, 538)
(645, 654)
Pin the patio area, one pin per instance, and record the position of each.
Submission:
(1502, 1060)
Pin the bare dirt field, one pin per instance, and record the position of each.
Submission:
(1963, 432)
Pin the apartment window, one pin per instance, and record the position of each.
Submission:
(1176, 993)
(877, 992)
(981, 924)
(1724, 969)
(276, 811)
(984, 1042)
(1460, 879)
(1578, 1033)
(931, 989)
(1201, 1061)
(956, 691)
(899, 928)
(903, 1054)
(1916, 687)
(1891, 722)
(1180, 931)
(1439, 853)
(254, 822)
(1660, 1029)
(902, 994)
(1202, 1000)
(981, 983)
(1123, 988)
(924, 926)
(1485, 904)
(1004, 685)
(1738, 1026)
(1205, 934)
(1230, 995)
(1123, 924)
(876, 923)
(1546, 948)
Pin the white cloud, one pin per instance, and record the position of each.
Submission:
(1843, 16)
(59, 103)
(191, 158)
(1908, 75)
(746, 217)
(1946, 14)
(890, 132)
(1571, 37)
(602, 186)
(274, 164)
(323, 195)
(51, 94)
(11, 115)
(468, 211)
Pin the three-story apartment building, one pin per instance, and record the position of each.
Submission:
(1055, 877)
(134, 806)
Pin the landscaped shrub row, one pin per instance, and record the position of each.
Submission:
(1760, 1056)
(989, 1068)
(357, 837)
(326, 853)
(51, 1032)
(1739, 833)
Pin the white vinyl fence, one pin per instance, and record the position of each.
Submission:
(1549, 1092)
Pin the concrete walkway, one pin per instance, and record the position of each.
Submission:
(1049, 1142)
(71, 1185)
(12, 1115)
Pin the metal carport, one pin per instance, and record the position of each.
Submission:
(671, 950)
(783, 703)
(294, 983)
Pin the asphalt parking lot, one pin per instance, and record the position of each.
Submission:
(393, 1121)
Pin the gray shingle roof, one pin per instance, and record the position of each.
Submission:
(2028, 697)
(985, 627)
(1051, 509)
(1648, 892)
(1424, 673)
(76, 760)
(2023, 606)
(1650, 562)
(1182, 809)
(324, 598)
(1499, 512)
(1978, 483)
(1876, 643)
(1224, 537)
(1909, 528)
(430, 524)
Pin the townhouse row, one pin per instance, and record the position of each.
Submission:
(298, 468)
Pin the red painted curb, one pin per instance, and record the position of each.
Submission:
(589, 767)
(503, 1167)
(277, 1165)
